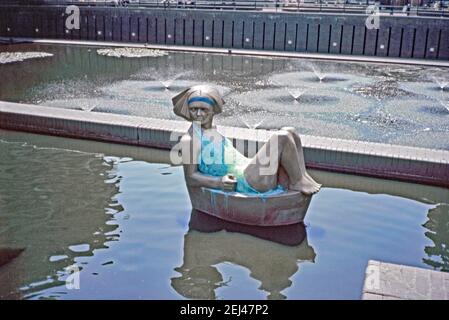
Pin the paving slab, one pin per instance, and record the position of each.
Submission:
(388, 281)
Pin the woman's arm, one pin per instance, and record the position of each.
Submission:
(195, 178)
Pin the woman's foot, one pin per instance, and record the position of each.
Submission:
(308, 177)
(306, 186)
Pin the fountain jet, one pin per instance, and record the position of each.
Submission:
(445, 104)
(249, 125)
(87, 108)
(296, 94)
(442, 83)
(320, 75)
(168, 82)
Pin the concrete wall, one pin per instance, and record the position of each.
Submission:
(426, 166)
(407, 37)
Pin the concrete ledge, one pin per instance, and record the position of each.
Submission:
(386, 281)
(426, 166)
(90, 125)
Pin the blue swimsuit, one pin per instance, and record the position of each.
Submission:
(218, 158)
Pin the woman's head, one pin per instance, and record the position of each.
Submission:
(201, 108)
(198, 103)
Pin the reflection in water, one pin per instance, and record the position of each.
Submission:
(211, 241)
(9, 254)
(438, 233)
(437, 224)
(59, 207)
(52, 202)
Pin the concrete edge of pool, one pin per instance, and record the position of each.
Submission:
(257, 53)
(403, 163)
(389, 281)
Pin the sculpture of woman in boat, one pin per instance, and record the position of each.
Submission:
(219, 165)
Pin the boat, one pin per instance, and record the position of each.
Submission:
(285, 208)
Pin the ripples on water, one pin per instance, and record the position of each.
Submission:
(128, 225)
(53, 203)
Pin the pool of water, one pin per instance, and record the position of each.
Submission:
(122, 216)
(396, 104)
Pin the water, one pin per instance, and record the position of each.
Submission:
(123, 216)
(406, 105)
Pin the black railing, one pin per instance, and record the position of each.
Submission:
(304, 6)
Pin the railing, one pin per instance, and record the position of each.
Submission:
(360, 8)
(339, 6)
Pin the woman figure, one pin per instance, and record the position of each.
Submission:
(216, 164)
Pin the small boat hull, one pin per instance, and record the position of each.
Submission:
(285, 208)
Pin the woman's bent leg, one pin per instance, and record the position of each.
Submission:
(309, 183)
(282, 149)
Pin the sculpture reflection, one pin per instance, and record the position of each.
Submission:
(270, 253)
(438, 232)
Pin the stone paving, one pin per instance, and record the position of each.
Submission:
(386, 281)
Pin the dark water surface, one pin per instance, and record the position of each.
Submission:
(123, 216)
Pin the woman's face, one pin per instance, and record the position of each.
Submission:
(201, 112)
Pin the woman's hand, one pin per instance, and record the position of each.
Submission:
(229, 182)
